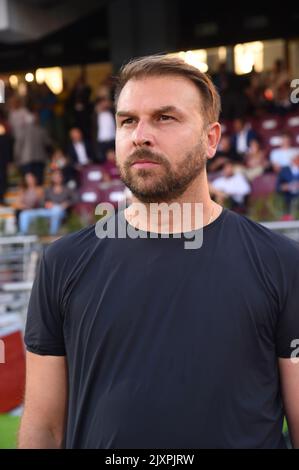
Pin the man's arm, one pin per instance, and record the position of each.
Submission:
(45, 410)
(289, 377)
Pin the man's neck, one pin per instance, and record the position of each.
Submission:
(191, 211)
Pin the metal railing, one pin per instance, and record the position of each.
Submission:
(287, 228)
(18, 260)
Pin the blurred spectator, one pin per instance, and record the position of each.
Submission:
(59, 161)
(32, 149)
(5, 156)
(278, 77)
(61, 116)
(282, 103)
(222, 78)
(109, 167)
(224, 152)
(80, 150)
(283, 155)
(45, 104)
(288, 183)
(30, 196)
(104, 128)
(80, 105)
(58, 199)
(255, 161)
(18, 116)
(242, 136)
(234, 186)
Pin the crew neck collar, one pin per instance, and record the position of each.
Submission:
(205, 228)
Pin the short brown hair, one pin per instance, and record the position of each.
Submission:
(160, 65)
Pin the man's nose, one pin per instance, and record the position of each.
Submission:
(142, 135)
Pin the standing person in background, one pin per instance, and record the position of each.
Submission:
(104, 128)
(32, 149)
(5, 155)
(18, 116)
(80, 106)
(45, 103)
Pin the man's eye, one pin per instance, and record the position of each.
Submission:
(165, 117)
(127, 121)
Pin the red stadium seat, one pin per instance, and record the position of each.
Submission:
(270, 123)
(263, 185)
(113, 192)
(91, 175)
(292, 126)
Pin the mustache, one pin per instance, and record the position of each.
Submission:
(145, 154)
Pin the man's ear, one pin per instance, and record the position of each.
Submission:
(213, 137)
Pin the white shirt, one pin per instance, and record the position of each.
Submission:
(236, 186)
(81, 153)
(283, 157)
(106, 126)
(241, 141)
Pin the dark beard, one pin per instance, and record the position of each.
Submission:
(170, 184)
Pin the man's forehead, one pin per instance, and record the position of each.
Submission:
(157, 92)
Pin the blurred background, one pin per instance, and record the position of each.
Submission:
(57, 131)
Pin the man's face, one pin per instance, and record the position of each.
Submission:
(161, 144)
(286, 141)
(228, 170)
(76, 135)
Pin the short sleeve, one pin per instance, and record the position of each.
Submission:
(44, 324)
(287, 331)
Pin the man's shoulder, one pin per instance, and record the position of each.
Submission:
(71, 245)
(260, 237)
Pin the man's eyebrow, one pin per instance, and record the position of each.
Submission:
(162, 109)
(167, 109)
(125, 113)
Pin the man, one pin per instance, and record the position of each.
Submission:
(242, 137)
(138, 342)
(79, 150)
(57, 200)
(288, 183)
(234, 185)
(104, 128)
(5, 156)
(32, 148)
(282, 156)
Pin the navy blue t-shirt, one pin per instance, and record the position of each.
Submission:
(170, 347)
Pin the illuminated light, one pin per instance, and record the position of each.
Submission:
(14, 81)
(52, 76)
(268, 93)
(29, 77)
(247, 56)
(222, 53)
(197, 58)
(40, 76)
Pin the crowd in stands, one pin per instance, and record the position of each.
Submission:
(62, 147)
